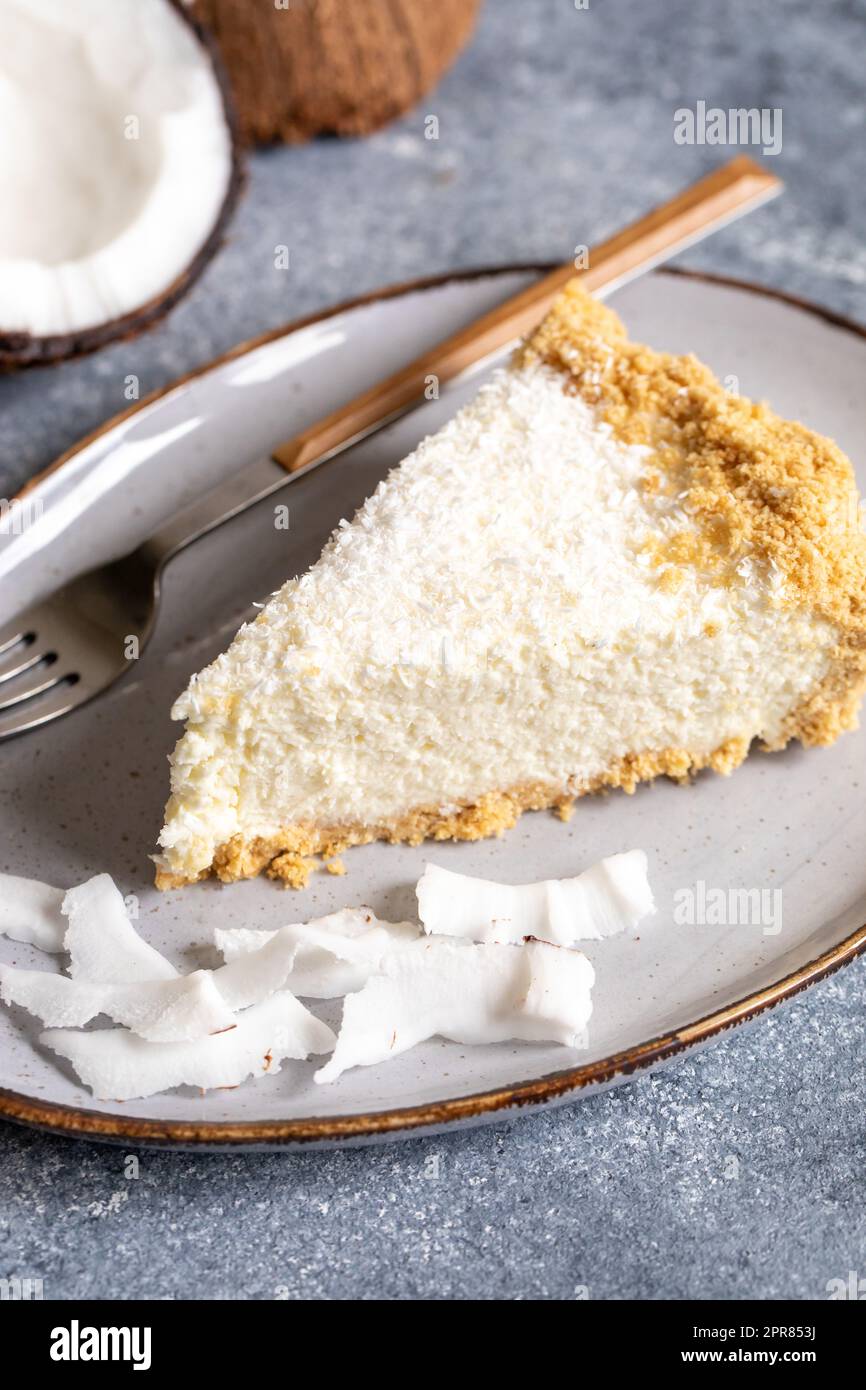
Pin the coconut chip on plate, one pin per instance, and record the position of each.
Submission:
(607, 898)
(118, 1065)
(465, 992)
(154, 1000)
(335, 954)
(30, 912)
(102, 943)
(177, 1010)
(250, 978)
(489, 969)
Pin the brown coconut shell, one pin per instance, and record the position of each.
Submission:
(343, 67)
(19, 349)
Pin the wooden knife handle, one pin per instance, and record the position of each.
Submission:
(728, 192)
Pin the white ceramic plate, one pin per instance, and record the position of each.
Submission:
(86, 793)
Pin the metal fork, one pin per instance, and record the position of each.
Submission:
(86, 635)
(79, 641)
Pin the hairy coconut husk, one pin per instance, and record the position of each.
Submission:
(342, 67)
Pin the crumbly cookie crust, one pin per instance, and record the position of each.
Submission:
(294, 852)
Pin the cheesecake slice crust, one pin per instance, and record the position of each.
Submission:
(605, 569)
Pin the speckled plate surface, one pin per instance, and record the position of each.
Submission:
(86, 793)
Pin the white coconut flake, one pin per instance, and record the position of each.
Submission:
(468, 993)
(103, 945)
(349, 921)
(252, 976)
(30, 912)
(329, 967)
(117, 1065)
(335, 954)
(178, 1010)
(610, 897)
(233, 943)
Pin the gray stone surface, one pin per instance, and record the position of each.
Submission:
(736, 1173)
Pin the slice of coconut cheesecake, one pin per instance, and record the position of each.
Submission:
(603, 569)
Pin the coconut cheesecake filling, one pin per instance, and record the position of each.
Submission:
(500, 617)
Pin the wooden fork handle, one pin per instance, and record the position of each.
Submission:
(728, 192)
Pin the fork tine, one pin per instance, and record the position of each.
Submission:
(74, 644)
(61, 697)
(39, 679)
(20, 658)
(14, 632)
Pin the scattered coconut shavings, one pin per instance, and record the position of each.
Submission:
(349, 922)
(335, 954)
(251, 977)
(117, 1065)
(178, 1010)
(30, 912)
(332, 966)
(608, 898)
(468, 993)
(233, 943)
(103, 945)
(489, 969)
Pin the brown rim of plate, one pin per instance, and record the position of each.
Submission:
(74, 1122)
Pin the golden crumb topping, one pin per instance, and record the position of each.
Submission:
(760, 489)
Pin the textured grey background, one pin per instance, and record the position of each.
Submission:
(737, 1173)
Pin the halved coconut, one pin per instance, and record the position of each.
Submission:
(121, 174)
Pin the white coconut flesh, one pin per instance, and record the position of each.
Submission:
(120, 163)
